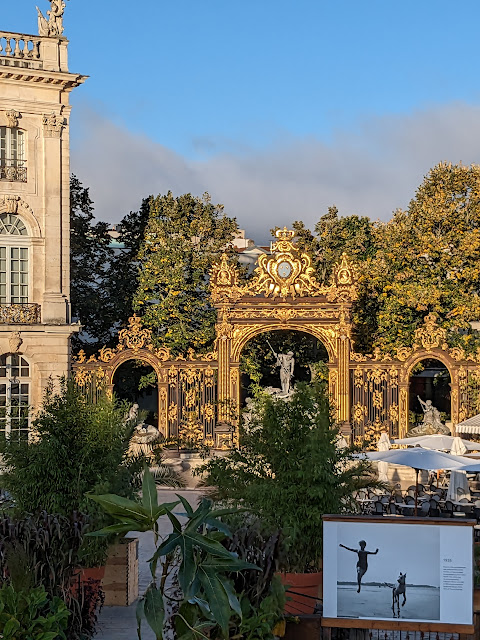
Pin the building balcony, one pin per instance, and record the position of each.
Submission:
(13, 171)
(24, 313)
(33, 52)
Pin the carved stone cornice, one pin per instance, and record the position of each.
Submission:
(62, 81)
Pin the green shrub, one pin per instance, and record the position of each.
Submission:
(31, 615)
(290, 471)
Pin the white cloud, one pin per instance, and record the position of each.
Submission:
(371, 170)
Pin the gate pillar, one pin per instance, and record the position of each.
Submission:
(343, 388)
(224, 347)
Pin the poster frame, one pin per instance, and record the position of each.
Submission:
(400, 625)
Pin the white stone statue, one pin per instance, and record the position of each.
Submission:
(143, 439)
(132, 414)
(432, 422)
(286, 362)
(53, 27)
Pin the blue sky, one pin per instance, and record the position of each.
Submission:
(247, 98)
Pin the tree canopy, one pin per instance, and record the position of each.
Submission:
(184, 236)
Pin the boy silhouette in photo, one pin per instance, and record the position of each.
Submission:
(362, 564)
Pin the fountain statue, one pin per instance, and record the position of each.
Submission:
(432, 422)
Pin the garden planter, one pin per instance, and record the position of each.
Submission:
(120, 582)
(304, 589)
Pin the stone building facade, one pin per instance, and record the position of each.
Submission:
(35, 325)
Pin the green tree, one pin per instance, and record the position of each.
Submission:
(359, 238)
(428, 261)
(90, 257)
(121, 280)
(290, 471)
(185, 235)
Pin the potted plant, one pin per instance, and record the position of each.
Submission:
(290, 471)
(194, 595)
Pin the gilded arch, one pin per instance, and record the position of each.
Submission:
(284, 293)
(327, 336)
(370, 392)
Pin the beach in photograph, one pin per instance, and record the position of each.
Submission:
(374, 601)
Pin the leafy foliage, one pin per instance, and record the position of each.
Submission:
(31, 615)
(290, 472)
(90, 257)
(206, 598)
(43, 550)
(428, 261)
(184, 237)
(78, 445)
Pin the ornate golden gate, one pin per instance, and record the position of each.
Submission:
(200, 395)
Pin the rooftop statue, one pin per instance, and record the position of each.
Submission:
(53, 27)
(432, 422)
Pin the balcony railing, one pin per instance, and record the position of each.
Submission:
(26, 313)
(13, 170)
(19, 50)
(33, 52)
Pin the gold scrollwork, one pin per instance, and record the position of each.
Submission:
(431, 336)
(172, 376)
(134, 336)
(105, 354)
(208, 411)
(190, 375)
(393, 412)
(359, 412)
(172, 412)
(358, 377)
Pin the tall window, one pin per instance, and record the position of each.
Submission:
(13, 162)
(13, 260)
(14, 396)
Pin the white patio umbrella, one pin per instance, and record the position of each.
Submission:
(383, 445)
(458, 485)
(438, 442)
(418, 458)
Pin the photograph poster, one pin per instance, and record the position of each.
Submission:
(386, 570)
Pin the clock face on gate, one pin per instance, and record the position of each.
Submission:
(284, 269)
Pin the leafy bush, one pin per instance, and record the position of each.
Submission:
(290, 471)
(31, 615)
(43, 551)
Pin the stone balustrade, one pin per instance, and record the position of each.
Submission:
(33, 52)
(28, 313)
(19, 50)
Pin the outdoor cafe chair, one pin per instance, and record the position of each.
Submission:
(435, 497)
(379, 507)
(398, 498)
(434, 509)
(385, 499)
(448, 506)
(409, 500)
(392, 508)
(424, 509)
(476, 513)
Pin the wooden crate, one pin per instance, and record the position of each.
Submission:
(120, 582)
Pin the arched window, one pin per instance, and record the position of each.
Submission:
(14, 395)
(14, 267)
(13, 161)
